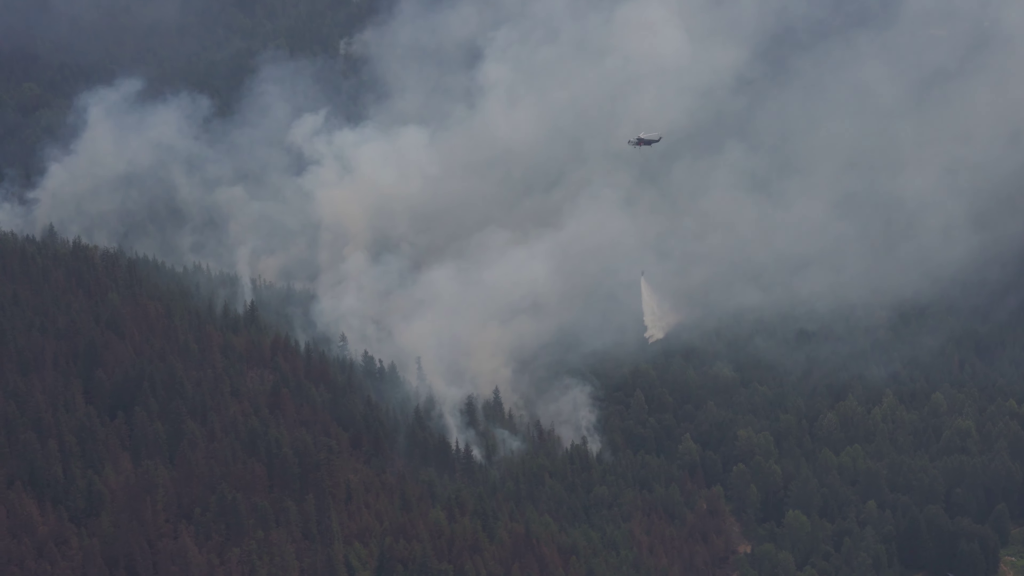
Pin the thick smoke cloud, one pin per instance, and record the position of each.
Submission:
(488, 209)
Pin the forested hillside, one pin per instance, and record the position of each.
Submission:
(156, 420)
(148, 429)
(904, 459)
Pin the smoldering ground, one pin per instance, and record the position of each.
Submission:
(487, 210)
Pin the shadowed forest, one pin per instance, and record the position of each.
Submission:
(150, 425)
(148, 428)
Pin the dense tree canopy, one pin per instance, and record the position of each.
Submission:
(149, 425)
(835, 468)
(148, 428)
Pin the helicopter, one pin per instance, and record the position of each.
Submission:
(644, 139)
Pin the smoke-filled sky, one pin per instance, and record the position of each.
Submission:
(488, 207)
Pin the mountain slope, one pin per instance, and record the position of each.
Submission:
(893, 446)
(149, 430)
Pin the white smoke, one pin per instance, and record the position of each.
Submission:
(658, 317)
(569, 409)
(487, 209)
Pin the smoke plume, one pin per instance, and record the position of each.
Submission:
(657, 318)
(487, 210)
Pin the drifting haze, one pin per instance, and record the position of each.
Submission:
(489, 208)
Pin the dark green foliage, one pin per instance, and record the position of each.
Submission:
(836, 470)
(147, 428)
(999, 523)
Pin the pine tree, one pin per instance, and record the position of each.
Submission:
(343, 350)
(421, 376)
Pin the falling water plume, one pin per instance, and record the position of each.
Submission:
(658, 318)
